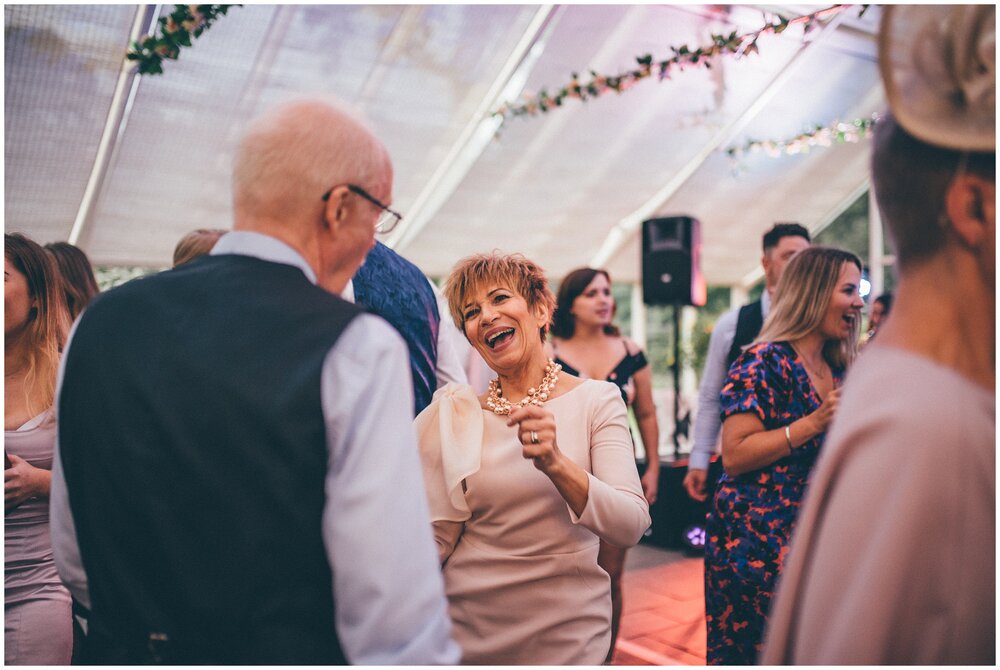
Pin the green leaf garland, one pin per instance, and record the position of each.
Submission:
(174, 31)
(819, 136)
(733, 44)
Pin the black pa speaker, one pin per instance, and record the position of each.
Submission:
(671, 269)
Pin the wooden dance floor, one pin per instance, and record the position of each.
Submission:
(664, 617)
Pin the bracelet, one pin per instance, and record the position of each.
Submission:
(788, 438)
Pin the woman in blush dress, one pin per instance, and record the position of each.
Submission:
(525, 481)
(587, 344)
(777, 402)
(38, 625)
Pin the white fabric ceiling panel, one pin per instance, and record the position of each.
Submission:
(380, 60)
(170, 173)
(61, 64)
(552, 186)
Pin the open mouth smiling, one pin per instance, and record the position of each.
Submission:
(497, 336)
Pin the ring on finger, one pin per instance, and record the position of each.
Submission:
(534, 437)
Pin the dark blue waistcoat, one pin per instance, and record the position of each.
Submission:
(193, 444)
(396, 289)
(749, 321)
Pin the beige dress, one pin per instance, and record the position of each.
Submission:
(893, 561)
(520, 568)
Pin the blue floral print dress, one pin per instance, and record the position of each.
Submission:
(752, 515)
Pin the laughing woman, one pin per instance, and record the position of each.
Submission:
(38, 623)
(525, 481)
(777, 402)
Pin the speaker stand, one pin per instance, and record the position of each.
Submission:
(677, 380)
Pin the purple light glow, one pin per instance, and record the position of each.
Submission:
(695, 536)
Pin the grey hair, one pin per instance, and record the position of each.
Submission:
(290, 157)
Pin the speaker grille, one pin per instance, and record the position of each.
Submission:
(671, 272)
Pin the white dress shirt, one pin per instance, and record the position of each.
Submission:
(448, 368)
(708, 423)
(387, 585)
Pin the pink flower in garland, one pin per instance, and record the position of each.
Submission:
(166, 51)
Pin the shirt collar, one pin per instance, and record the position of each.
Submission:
(765, 302)
(348, 292)
(264, 247)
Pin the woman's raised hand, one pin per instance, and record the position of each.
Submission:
(22, 481)
(536, 429)
(821, 417)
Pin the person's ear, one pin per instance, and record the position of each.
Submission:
(765, 261)
(335, 208)
(970, 205)
(541, 313)
(543, 316)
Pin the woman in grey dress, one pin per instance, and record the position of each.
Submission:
(38, 622)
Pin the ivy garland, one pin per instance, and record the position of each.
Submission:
(176, 30)
(823, 136)
(683, 58)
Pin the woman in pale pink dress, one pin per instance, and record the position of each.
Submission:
(525, 481)
(38, 623)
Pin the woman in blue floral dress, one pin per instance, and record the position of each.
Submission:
(776, 405)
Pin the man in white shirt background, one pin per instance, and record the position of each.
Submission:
(733, 330)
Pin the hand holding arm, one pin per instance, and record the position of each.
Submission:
(23, 481)
(446, 536)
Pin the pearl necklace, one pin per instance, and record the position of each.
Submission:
(500, 405)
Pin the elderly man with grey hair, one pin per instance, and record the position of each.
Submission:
(237, 478)
(894, 558)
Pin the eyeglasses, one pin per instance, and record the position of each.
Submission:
(388, 218)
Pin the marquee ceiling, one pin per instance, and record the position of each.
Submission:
(568, 188)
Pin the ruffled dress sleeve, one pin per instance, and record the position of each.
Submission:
(450, 435)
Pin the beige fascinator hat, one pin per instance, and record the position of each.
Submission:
(939, 68)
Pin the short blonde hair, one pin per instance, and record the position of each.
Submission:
(802, 297)
(513, 270)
